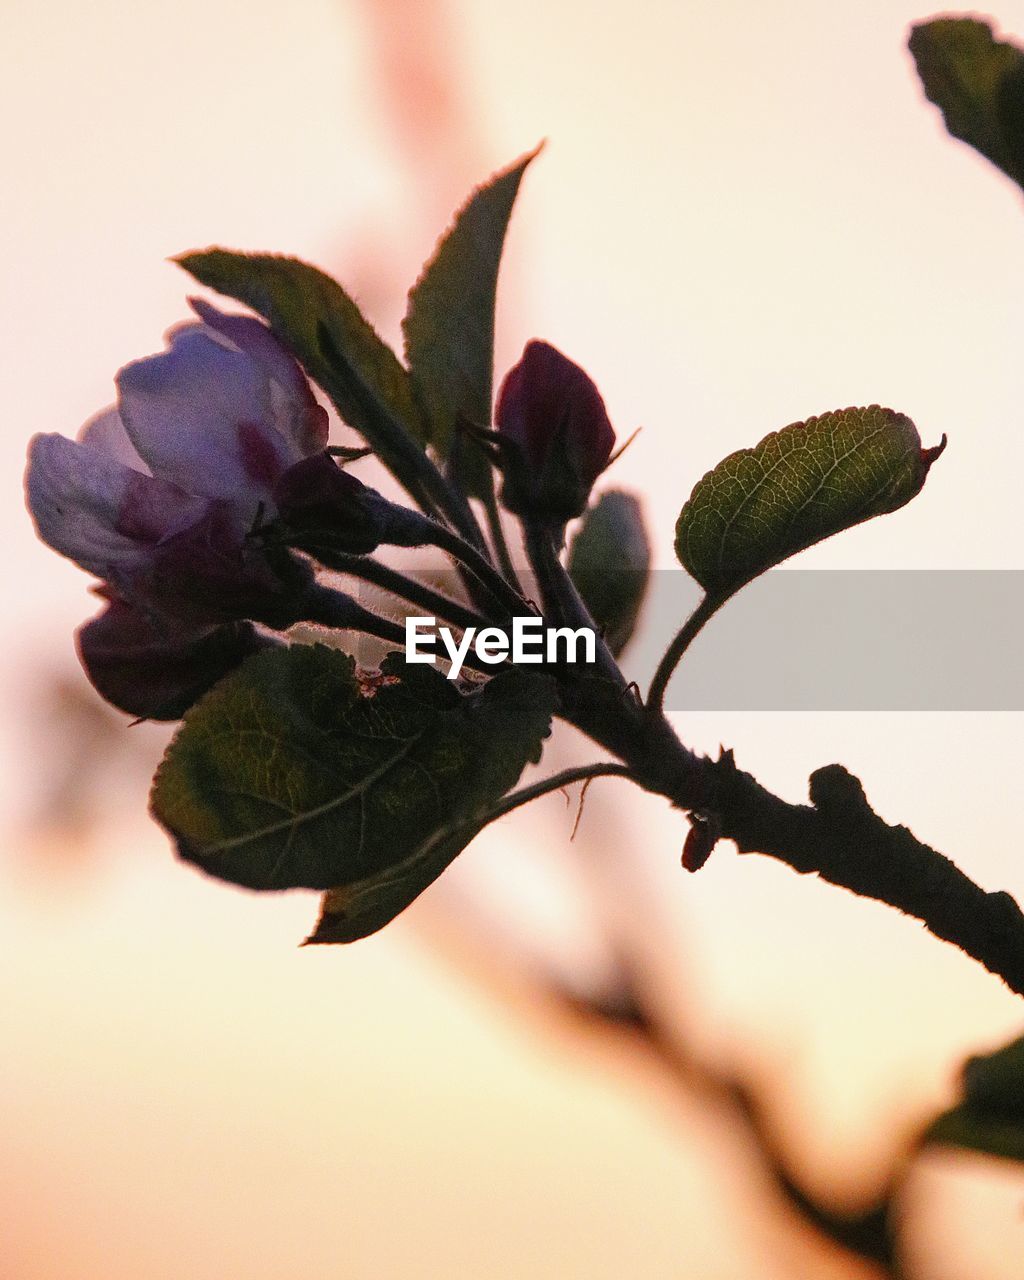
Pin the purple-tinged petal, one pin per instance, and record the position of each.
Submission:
(98, 512)
(214, 572)
(297, 414)
(184, 411)
(106, 433)
(156, 670)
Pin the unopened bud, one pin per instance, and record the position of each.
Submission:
(556, 436)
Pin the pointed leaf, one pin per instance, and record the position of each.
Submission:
(990, 1118)
(978, 83)
(609, 563)
(295, 773)
(449, 326)
(326, 332)
(354, 911)
(798, 486)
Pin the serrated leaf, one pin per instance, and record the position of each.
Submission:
(798, 486)
(449, 324)
(609, 563)
(990, 1118)
(339, 349)
(290, 773)
(977, 82)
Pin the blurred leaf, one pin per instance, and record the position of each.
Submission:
(609, 563)
(449, 325)
(978, 83)
(798, 486)
(990, 1118)
(324, 329)
(293, 773)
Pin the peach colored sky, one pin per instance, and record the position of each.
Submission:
(745, 214)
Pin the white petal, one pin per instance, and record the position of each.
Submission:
(98, 512)
(298, 418)
(185, 409)
(106, 433)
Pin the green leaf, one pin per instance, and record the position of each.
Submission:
(609, 563)
(354, 911)
(798, 486)
(990, 1118)
(978, 83)
(293, 772)
(449, 325)
(326, 332)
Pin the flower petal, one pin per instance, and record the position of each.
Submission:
(98, 512)
(297, 414)
(212, 572)
(106, 433)
(151, 669)
(194, 413)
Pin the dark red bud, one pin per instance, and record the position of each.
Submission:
(153, 670)
(552, 416)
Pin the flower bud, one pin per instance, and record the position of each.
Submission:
(324, 508)
(555, 434)
(326, 512)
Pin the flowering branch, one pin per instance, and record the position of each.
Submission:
(208, 498)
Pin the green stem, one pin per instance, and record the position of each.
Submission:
(398, 584)
(335, 609)
(498, 539)
(708, 606)
(559, 594)
(506, 596)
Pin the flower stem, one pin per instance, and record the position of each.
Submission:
(341, 612)
(499, 540)
(506, 596)
(560, 596)
(417, 593)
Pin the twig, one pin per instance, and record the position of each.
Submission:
(838, 836)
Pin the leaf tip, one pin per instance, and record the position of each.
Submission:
(192, 259)
(928, 456)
